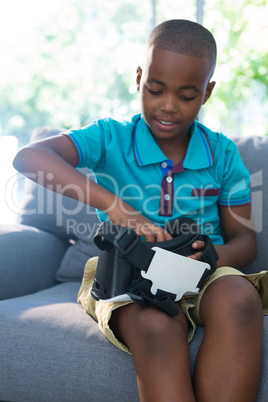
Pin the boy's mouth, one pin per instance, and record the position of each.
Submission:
(165, 124)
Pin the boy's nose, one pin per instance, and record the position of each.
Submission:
(169, 104)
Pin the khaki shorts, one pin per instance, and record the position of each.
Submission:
(101, 311)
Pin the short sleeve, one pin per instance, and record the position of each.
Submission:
(89, 142)
(235, 189)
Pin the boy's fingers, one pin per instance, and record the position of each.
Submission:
(153, 233)
(163, 235)
(196, 256)
(198, 245)
(167, 235)
(146, 231)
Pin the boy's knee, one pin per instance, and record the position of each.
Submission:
(233, 299)
(245, 306)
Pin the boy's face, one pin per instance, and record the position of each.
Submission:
(173, 87)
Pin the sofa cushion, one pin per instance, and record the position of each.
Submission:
(51, 350)
(47, 336)
(25, 264)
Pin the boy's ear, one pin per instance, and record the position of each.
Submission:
(209, 90)
(138, 78)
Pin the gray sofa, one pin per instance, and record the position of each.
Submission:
(50, 349)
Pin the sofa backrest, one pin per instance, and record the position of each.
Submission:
(77, 223)
(254, 152)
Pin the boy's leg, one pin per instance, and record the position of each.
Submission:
(229, 361)
(159, 347)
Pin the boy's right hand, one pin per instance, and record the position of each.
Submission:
(124, 215)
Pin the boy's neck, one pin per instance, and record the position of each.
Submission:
(174, 149)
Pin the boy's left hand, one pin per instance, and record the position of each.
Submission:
(199, 246)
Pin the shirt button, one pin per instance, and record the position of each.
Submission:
(169, 179)
(166, 197)
(164, 165)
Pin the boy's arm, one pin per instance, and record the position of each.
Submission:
(54, 159)
(240, 248)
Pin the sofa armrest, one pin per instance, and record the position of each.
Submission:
(29, 259)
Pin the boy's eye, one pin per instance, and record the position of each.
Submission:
(187, 98)
(154, 92)
(183, 97)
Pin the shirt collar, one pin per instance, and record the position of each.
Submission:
(199, 154)
(146, 151)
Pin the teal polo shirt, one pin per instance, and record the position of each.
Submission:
(127, 161)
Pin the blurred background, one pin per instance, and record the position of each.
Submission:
(64, 63)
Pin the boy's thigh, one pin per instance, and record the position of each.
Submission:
(132, 321)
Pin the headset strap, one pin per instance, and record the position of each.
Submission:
(128, 242)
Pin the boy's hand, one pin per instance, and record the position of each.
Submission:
(124, 215)
(197, 245)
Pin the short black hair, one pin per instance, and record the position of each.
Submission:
(184, 37)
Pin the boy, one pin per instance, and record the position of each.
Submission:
(161, 166)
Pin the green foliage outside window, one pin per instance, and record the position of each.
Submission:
(79, 63)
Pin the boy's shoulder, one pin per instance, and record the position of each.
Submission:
(217, 141)
(223, 150)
